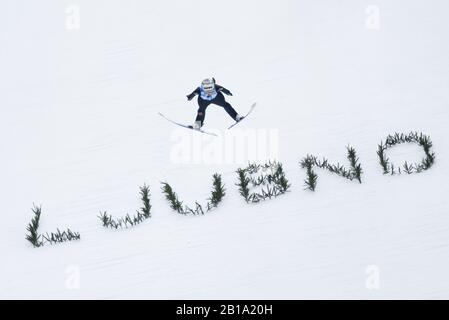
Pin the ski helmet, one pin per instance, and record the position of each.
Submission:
(208, 85)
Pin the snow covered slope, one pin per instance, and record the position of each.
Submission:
(81, 83)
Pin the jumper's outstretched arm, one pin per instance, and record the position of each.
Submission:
(223, 89)
(196, 92)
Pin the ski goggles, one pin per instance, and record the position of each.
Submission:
(209, 89)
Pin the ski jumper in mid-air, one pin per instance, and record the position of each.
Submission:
(211, 93)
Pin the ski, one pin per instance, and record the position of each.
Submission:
(187, 126)
(244, 117)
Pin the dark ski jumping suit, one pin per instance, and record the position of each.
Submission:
(216, 97)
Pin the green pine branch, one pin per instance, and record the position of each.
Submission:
(217, 195)
(33, 235)
(129, 221)
(400, 138)
(270, 179)
(39, 240)
(354, 173)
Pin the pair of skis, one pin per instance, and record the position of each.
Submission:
(205, 132)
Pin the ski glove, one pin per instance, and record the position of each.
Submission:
(191, 96)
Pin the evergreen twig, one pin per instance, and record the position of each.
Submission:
(39, 240)
(355, 171)
(217, 195)
(129, 221)
(399, 138)
(33, 228)
(271, 180)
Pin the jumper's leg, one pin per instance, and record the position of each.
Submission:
(201, 114)
(220, 101)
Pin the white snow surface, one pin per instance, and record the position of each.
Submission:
(79, 133)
